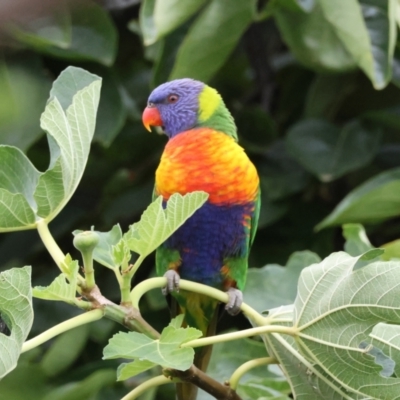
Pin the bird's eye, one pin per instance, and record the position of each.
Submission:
(150, 104)
(172, 98)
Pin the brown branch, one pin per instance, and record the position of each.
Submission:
(132, 319)
(205, 382)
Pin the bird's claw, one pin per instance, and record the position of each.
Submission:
(235, 301)
(173, 279)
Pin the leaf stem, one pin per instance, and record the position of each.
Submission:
(139, 290)
(153, 382)
(65, 326)
(246, 367)
(53, 248)
(240, 335)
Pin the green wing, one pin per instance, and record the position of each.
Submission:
(256, 216)
(238, 265)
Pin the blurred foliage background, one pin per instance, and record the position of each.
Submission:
(313, 86)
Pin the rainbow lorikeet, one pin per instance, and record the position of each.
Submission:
(212, 246)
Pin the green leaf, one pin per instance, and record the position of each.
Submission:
(380, 20)
(169, 14)
(103, 252)
(16, 310)
(24, 191)
(357, 241)
(24, 90)
(127, 370)
(65, 349)
(61, 289)
(265, 389)
(380, 357)
(226, 358)
(71, 129)
(112, 113)
(165, 351)
(85, 389)
(177, 321)
(277, 284)
(307, 383)
(121, 253)
(392, 250)
(146, 21)
(15, 212)
(295, 5)
(85, 32)
(52, 29)
(387, 337)
(312, 39)
(335, 311)
(328, 152)
(368, 32)
(375, 200)
(327, 94)
(157, 224)
(335, 35)
(212, 38)
(34, 385)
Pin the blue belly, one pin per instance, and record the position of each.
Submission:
(211, 235)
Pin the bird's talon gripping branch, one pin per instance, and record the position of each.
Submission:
(173, 279)
(235, 301)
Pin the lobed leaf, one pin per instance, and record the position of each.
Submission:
(128, 370)
(165, 351)
(335, 311)
(387, 337)
(26, 194)
(103, 252)
(16, 311)
(157, 224)
(61, 289)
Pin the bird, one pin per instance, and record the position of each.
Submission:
(212, 246)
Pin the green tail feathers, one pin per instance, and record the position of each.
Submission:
(201, 312)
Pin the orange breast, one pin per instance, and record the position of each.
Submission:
(203, 159)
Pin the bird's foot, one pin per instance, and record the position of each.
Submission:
(173, 279)
(235, 301)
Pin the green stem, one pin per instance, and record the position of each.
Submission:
(87, 258)
(246, 367)
(153, 283)
(53, 248)
(130, 318)
(127, 276)
(240, 335)
(81, 319)
(153, 382)
(51, 245)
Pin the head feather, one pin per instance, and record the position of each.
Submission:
(197, 105)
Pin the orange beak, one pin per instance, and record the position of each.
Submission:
(151, 117)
